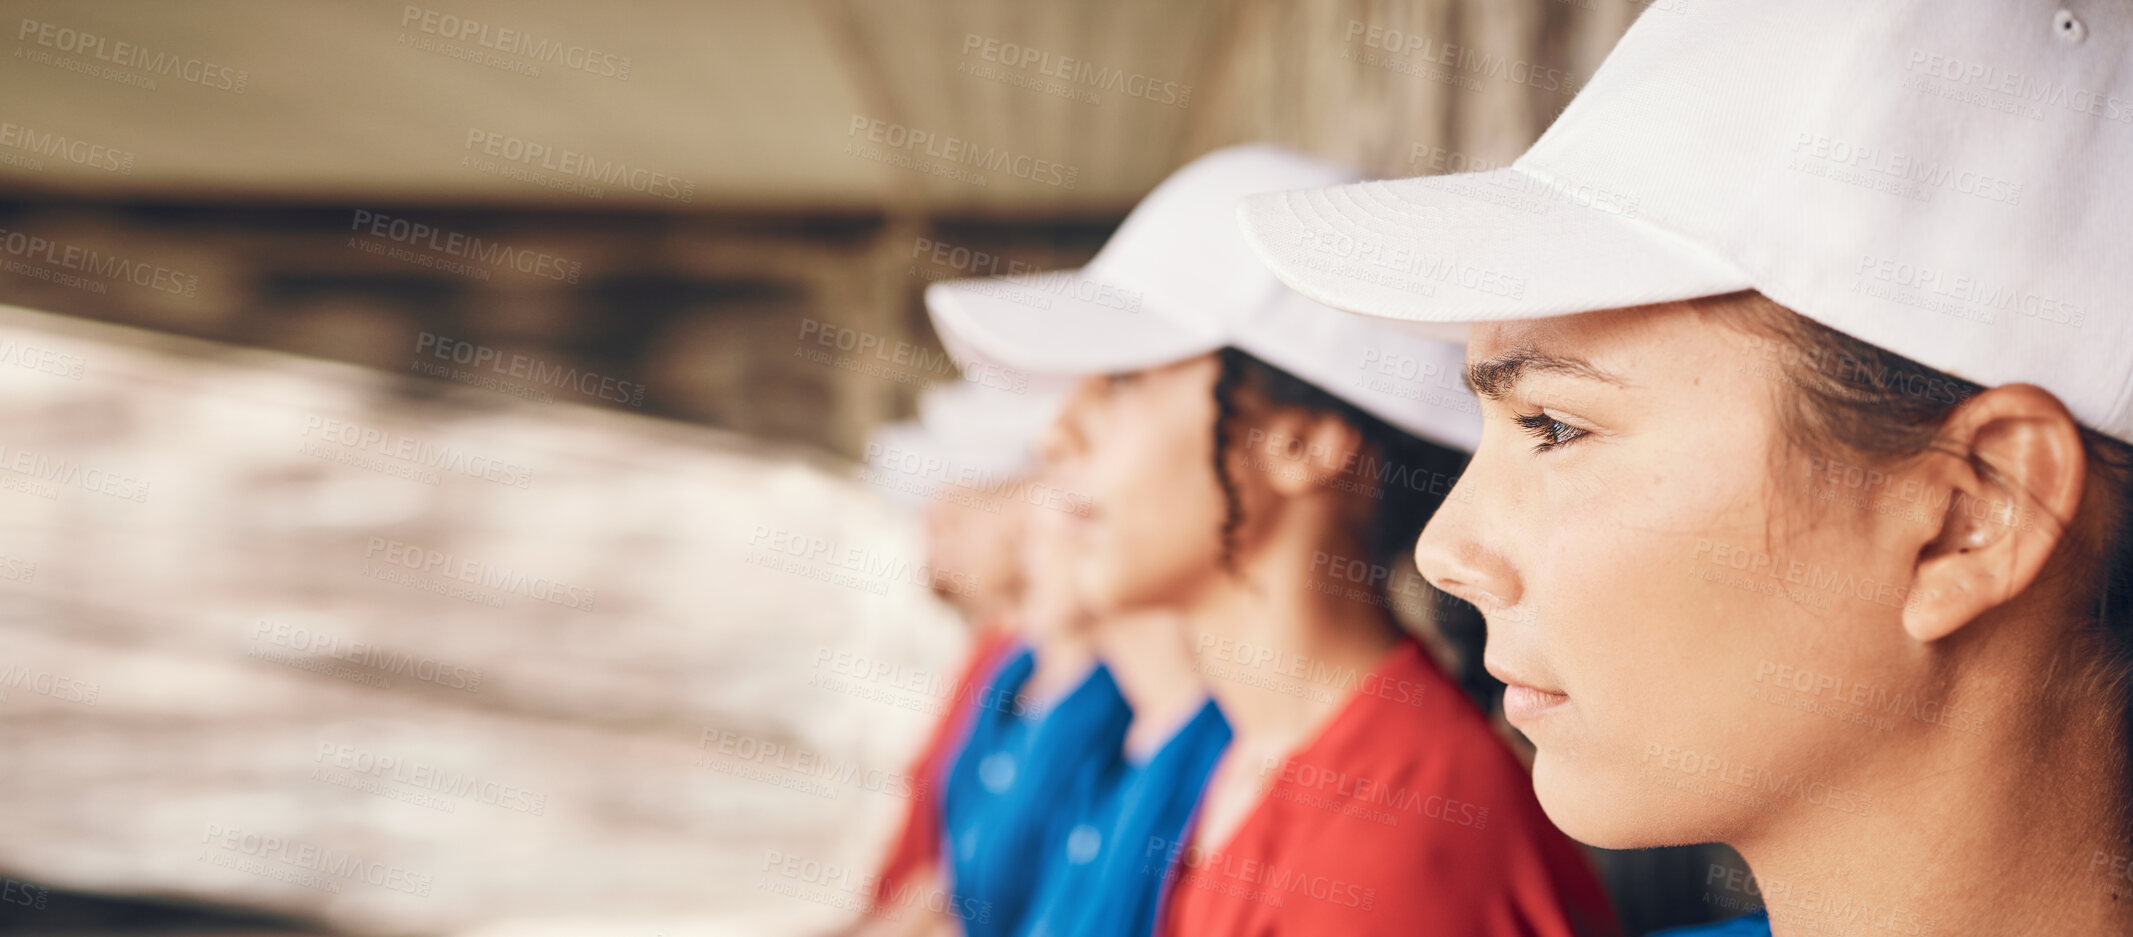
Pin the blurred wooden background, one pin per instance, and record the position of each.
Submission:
(349, 108)
(240, 648)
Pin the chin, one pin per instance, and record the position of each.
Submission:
(1112, 587)
(1099, 589)
(1609, 812)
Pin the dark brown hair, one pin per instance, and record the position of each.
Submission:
(1410, 474)
(1851, 398)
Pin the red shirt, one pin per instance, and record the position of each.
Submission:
(1405, 816)
(918, 845)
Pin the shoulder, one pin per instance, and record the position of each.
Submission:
(1419, 787)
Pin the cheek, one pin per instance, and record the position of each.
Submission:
(1162, 514)
(1657, 598)
(1632, 626)
(994, 550)
(1610, 570)
(946, 540)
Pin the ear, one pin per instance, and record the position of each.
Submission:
(2012, 487)
(1297, 450)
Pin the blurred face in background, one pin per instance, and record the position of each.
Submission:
(974, 548)
(1052, 604)
(1140, 446)
(1657, 573)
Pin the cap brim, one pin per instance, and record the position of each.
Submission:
(1042, 324)
(1476, 247)
(987, 416)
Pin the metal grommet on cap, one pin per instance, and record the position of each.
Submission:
(2068, 27)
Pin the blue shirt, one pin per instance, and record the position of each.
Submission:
(1747, 925)
(1107, 875)
(1015, 771)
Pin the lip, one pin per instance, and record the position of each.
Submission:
(1074, 523)
(1523, 704)
(1524, 700)
(1084, 514)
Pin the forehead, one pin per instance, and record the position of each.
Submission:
(1629, 337)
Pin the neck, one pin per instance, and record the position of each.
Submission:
(1147, 656)
(1062, 662)
(2017, 827)
(1282, 644)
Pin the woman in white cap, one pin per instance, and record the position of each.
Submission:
(1235, 442)
(1801, 510)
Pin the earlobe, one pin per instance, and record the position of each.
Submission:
(2007, 454)
(1953, 585)
(1333, 449)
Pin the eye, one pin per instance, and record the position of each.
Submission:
(1121, 379)
(1551, 432)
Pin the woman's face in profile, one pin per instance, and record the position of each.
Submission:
(1140, 446)
(1052, 606)
(1661, 572)
(973, 545)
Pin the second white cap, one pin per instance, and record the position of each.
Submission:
(1178, 279)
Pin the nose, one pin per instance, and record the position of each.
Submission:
(1457, 552)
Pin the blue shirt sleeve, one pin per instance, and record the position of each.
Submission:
(1747, 925)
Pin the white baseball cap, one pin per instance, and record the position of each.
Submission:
(998, 428)
(1951, 180)
(967, 434)
(1177, 280)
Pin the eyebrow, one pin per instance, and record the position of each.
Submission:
(1495, 378)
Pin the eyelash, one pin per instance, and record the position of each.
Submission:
(1552, 433)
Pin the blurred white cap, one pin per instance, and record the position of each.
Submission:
(1178, 279)
(967, 434)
